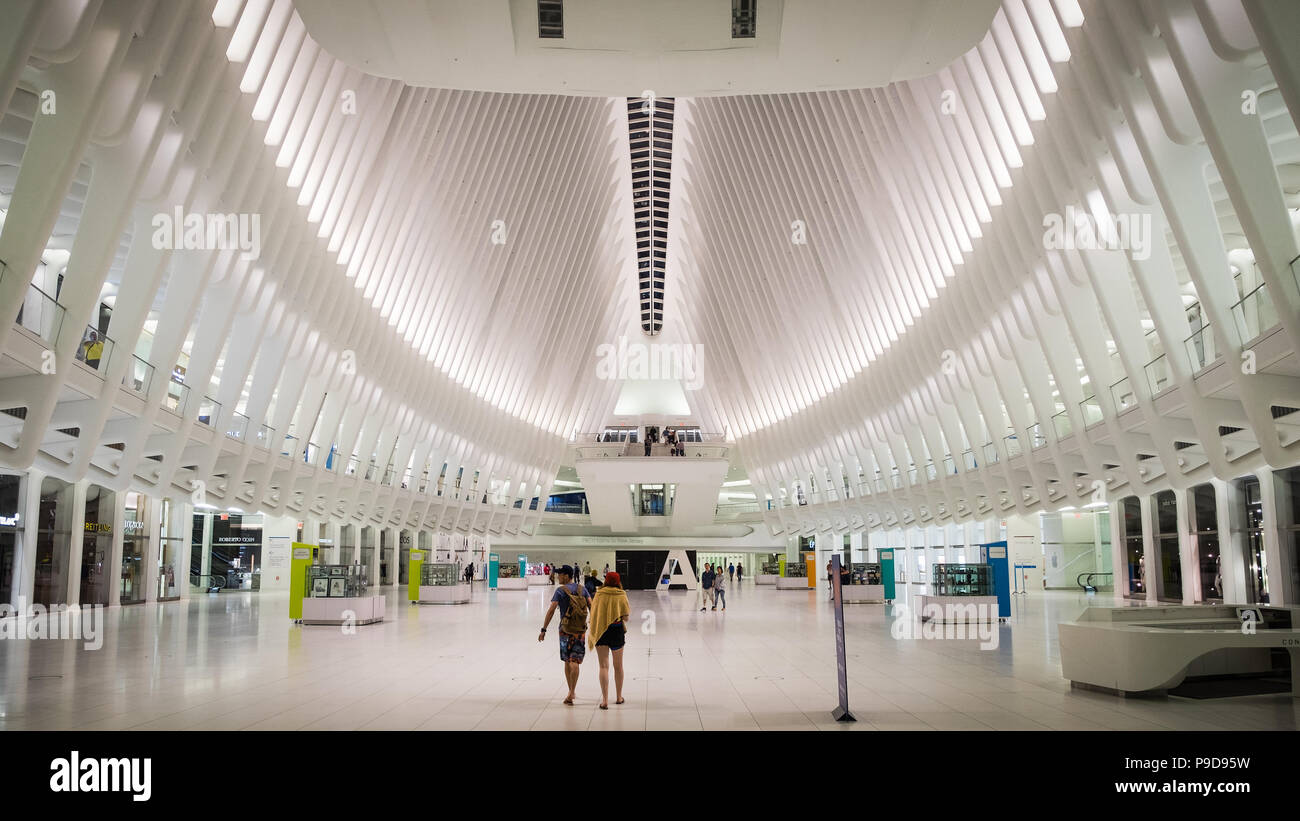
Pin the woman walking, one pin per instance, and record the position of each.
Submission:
(719, 589)
(610, 611)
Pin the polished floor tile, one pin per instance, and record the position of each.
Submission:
(236, 662)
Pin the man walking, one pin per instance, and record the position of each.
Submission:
(573, 600)
(706, 586)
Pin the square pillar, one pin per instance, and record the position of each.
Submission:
(76, 542)
(1118, 552)
(1277, 568)
(1230, 519)
(1188, 559)
(25, 561)
(115, 550)
(152, 544)
(1150, 550)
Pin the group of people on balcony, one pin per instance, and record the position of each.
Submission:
(675, 441)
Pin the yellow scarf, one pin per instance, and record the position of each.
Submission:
(609, 605)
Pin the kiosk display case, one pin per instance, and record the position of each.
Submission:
(768, 573)
(960, 593)
(865, 584)
(441, 583)
(508, 578)
(339, 594)
(795, 578)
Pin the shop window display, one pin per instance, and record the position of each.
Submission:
(1134, 554)
(53, 543)
(134, 538)
(1165, 510)
(11, 528)
(97, 545)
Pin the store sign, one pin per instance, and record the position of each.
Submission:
(237, 539)
(98, 527)
(9, 521)
(133, 526)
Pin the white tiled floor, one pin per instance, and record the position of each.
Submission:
(236, 662)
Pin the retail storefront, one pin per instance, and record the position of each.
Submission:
(135, 546)
(11, 533)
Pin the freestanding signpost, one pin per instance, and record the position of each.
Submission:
(840, 713)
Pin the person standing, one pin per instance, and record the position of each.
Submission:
(731, 572)
(706, 586)
(574, 604)
(830, 581)
(719, 590)
(610, 611)
(740, 572)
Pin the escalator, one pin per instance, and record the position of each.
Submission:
(1087, 581)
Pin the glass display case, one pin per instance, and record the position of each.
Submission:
(963, 580)
(336, 581)
(508, 571)
(864, 573)
(796, 570)
(771, 568)
(440, 574)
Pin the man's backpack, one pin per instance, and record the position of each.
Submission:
(574, 621)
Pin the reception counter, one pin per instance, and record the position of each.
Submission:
(766, 578)
(517, 583)
(792, 583)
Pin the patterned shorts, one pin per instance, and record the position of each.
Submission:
(573, 648)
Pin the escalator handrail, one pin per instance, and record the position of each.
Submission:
(1079, 579)
(218, 578)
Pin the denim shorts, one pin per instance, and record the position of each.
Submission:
(573, 648)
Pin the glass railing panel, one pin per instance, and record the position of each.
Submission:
(1035, 436)
(1090, 408)
(138, 376)
(1122, 393)
(263, 438)
(288, 444)
(990, 453)
(1013, 446)
(1158, 374)
(1201, 350)
(177, 398)
(237, 427)
(969, 458)
(354, 464)
(95, 348)
(1254, 314)
(310, 453)
(209, 411)
(949, 466)
(39, 313)
(1061, 424)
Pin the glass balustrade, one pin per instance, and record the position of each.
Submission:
(1158, 374)
(990, 453)
(209, 411)
(1036, 437)
(1090, 409)
(95, 348)
(263, 437)
(237, 427)
(138, 376)
(1254, 314)
(177, 398)
(1013, 446)
(1201, 350)
(1122, 394)
(1061, 424)
(39, 314)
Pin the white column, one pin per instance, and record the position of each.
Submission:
(114, 570)
(182, 523)
(152, 546)
(25, 561)
(77, 540)
(1118, 552)
(1150, 552)
(1188, 560)
(1230, 513)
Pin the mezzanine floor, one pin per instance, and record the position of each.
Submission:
(234, 661)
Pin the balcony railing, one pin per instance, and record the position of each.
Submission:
(209, 411)
(1122, 393)
(1254, 314)
(263, 437)
(237, 427)
(1158, 375)
(138, 376)
(1200, 347)
(1061, 424)
(95, 349)
(1090, 408)
(1013, 446)
(177, 398)
(39, 314)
